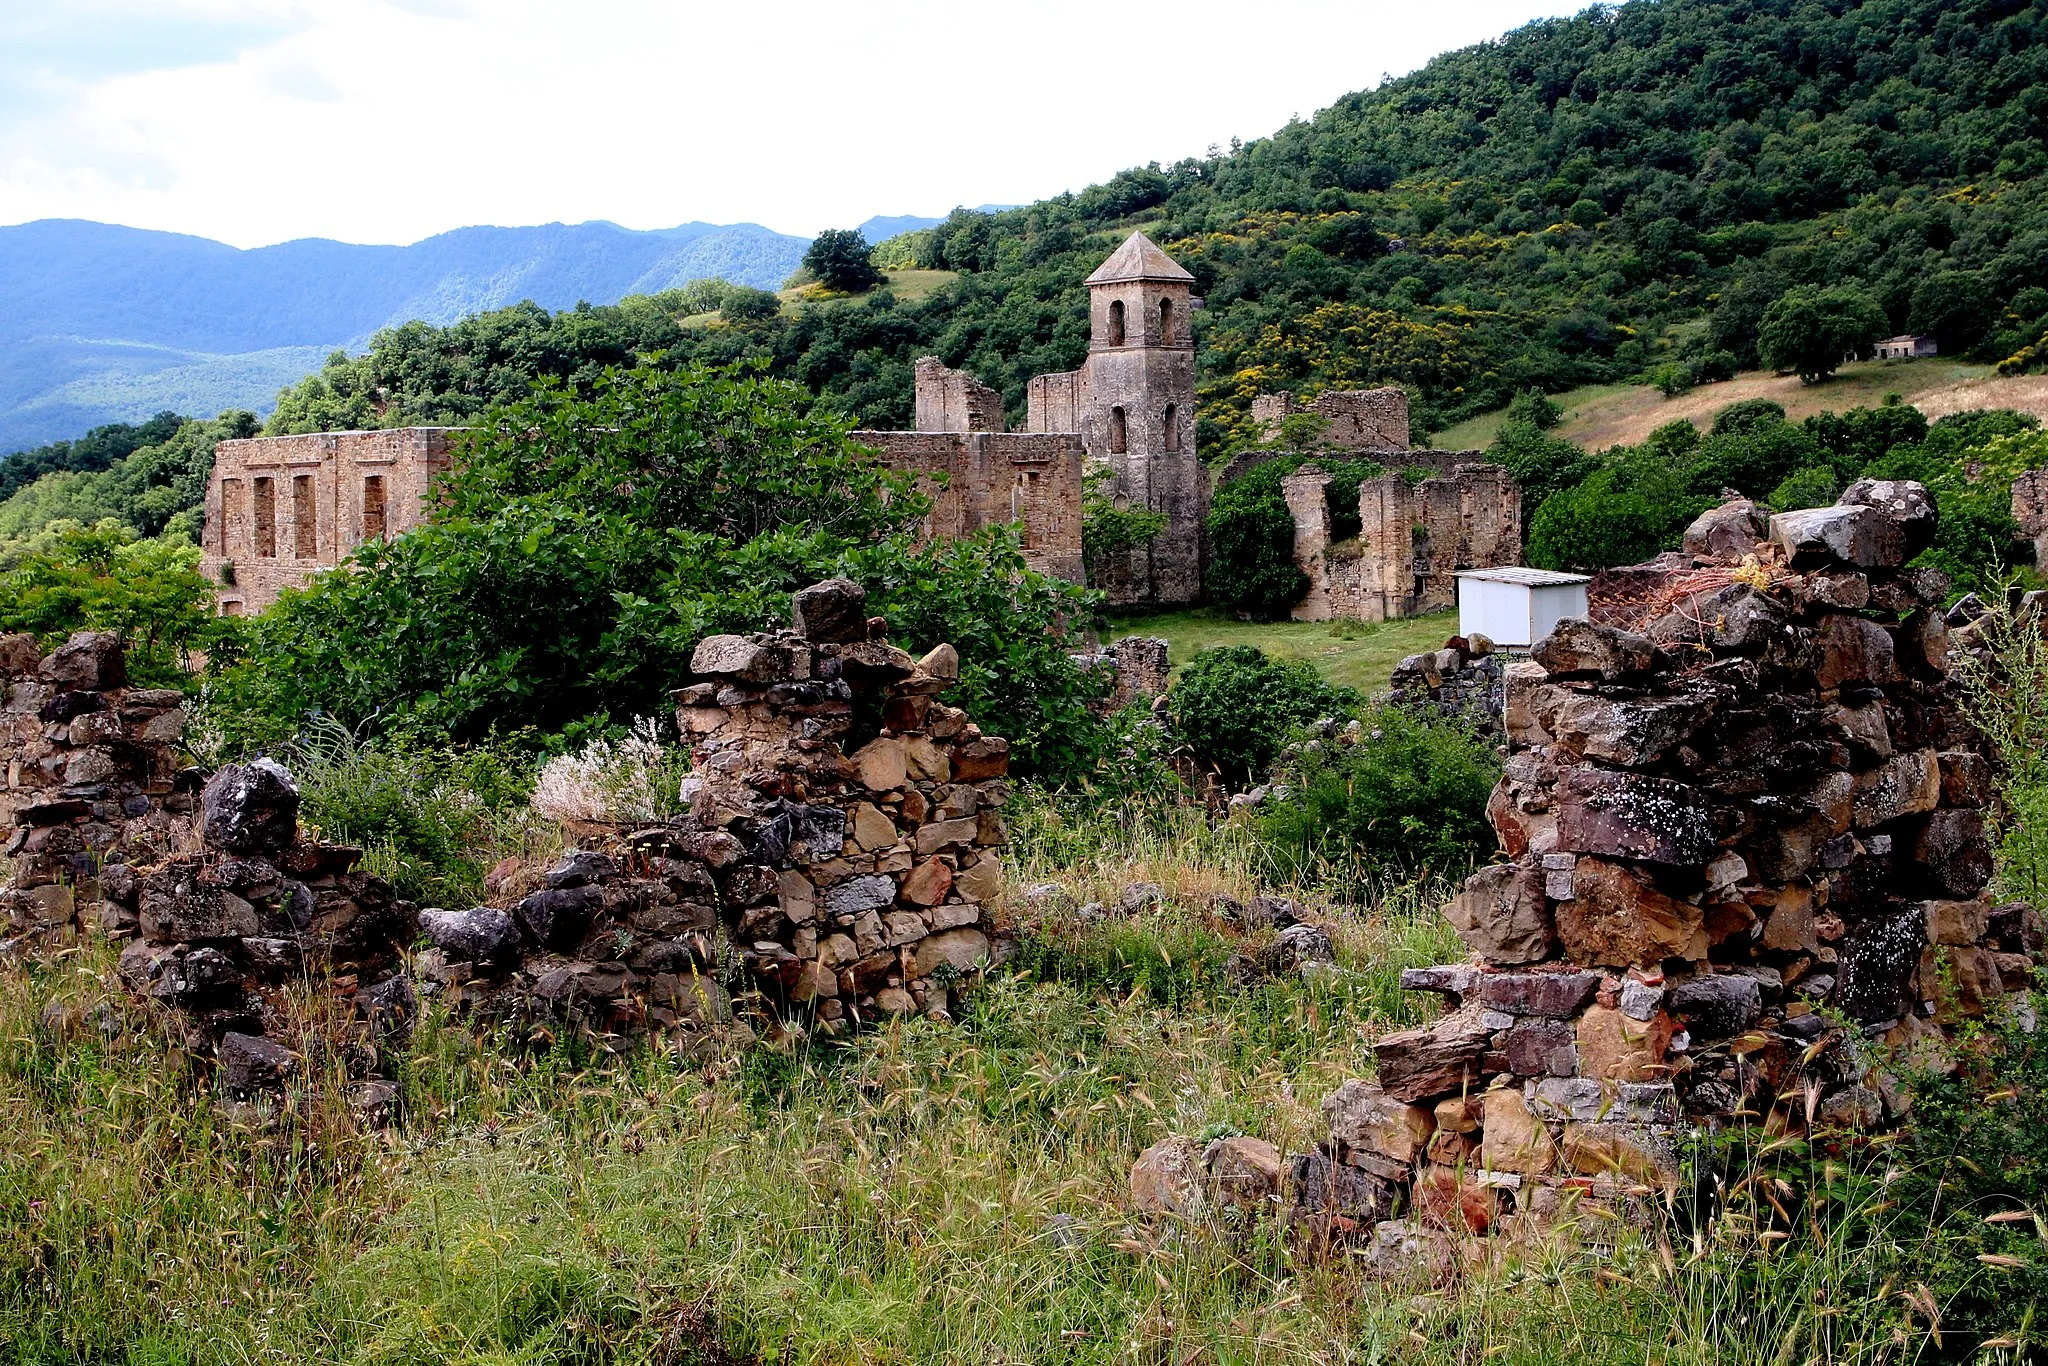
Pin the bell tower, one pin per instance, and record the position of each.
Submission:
(1138, 416)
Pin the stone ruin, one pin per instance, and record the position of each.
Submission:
(870, 811)
(1465, 682)
(94, 786)
(1746, 849)
(837, 865)
(1139, 668)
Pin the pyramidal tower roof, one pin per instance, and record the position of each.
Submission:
(1139, 258)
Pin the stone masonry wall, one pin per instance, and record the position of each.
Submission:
(1745, 840)
(94, 788)
(1363, 420)
(2030, 510)
(950, 400)
(1413, 539)
(873, 849)
(983, 478)
(279, 509)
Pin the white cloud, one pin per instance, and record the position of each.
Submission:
(390, 120)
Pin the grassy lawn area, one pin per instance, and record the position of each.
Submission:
(1347, 652)
(1603, 415)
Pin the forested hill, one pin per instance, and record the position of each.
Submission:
(1580, 200)
(103, 322)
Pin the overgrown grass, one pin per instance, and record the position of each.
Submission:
(432, 818)
(920, 1194)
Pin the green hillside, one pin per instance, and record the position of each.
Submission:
(1579, 202)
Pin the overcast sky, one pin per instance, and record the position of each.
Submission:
(257, 121)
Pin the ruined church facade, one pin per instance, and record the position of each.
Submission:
(1128, 411)
(280, 509)
(1431, 514)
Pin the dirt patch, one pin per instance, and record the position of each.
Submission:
(1936, 387)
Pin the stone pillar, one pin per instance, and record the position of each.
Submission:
(1386, 519)
(1304, 492)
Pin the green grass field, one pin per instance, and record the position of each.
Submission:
(1602, 415)
(1348, 652)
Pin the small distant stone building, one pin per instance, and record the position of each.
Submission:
(1129, 410)
(1415, 533)
(1359, 419)
(279, 509)
(1907, 348)
(978, 475)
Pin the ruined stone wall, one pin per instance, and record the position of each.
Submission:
(94, 787)
(823, 876)
(1745, 835)
(875, 853)
(951, 400)
(1053, 403)
(1413, 539)
(1369, 421)
(1464, 682)
(2030, 510)
(980, 479)
(1138, 665)
(279, 509)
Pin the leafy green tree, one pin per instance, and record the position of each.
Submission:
(1541, 464)
(95, 451)
(839, 258)
(585, 544)
(104, 578)
(154, 489)
(1609, 520)
(1811, 331)
(1235, 706)
(1812, 487)
(1534, 407)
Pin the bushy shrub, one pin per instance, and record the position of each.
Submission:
(1611, 519)
(429, 817)
(1541, 464)
(1534, 407)
(1251, 566)
(1813, 487)
(1235, 706)
(1408, 798)
(104, 578)
(635, 777)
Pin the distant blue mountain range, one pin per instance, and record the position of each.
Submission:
(100, 323)
(881, 227)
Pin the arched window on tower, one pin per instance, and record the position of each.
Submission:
(1119, 437)
(1166, 322)
(1170, 433)
(1116, 322)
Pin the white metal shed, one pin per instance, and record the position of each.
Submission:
(1514, 606)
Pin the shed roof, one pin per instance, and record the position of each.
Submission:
(1522, 574)
(1139, 258)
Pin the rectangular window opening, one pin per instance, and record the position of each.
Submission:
(373, 507)
(305, 526)
(265, 525)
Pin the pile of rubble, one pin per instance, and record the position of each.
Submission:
(807, 880)
(222, 931)
(1746, 842)
(1464, 682)
(1747, 846)
(93, 783)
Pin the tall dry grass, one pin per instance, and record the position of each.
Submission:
(921, 1194)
